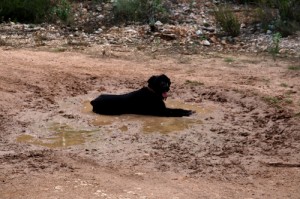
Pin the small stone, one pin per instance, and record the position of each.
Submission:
(283, 51)
(213, 39)
(208, 4)
(77, 33)
(206, 43)
(131, 31)
(158, 23)
(98, 8)
(209, 29)
(59, 188)
(100, 17)
(199, 32)
(223, 42)
(269, 32)
(99, 31)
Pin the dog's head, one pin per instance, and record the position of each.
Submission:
(160, 85)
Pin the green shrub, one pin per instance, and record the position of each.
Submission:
(24, 11)
(227, 20)
(139, 11)
(274, 49)
(289, 21)
(61, 10)
(296, 67)
(34, 11)
(265, 15)
(287, 18)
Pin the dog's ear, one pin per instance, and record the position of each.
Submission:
(151, 81)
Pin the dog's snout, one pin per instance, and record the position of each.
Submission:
(165, 86)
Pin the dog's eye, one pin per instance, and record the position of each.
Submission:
(164, 84)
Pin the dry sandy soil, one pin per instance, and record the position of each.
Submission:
(243, 142)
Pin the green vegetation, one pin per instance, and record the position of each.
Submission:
(146, 11)
(277, 101)
(284, 85)
(294, 67)
(289, 20)
(193, 83)
(61, 10)
(229, 60)
(284, 15)
(227, 20)
(34, 11)
(274, 50)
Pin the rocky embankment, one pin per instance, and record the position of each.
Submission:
(191, 29)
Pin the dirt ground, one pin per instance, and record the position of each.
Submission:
(243, 142)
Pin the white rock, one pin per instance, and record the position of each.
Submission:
(100, 17)
(199, 32)
(206, 43)
(99, 31)
(158, 23)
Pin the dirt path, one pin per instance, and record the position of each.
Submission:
(244, 141)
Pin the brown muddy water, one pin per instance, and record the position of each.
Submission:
(152, 124)
(64, 135)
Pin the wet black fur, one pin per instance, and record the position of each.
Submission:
(145, 101)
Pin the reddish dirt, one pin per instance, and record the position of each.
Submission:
(247, 144)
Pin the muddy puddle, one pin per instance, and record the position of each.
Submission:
(65, 135)
(152, 124)
(62, 136)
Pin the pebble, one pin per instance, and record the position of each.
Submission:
(199, 32)
(206, 43)
(158, 23)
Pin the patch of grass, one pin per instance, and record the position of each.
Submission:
(184, 60)
(284, 85)
(229, 60)
(288, 101)
(290, 92)
(277, 101)
(2, 42)
(271, 100)
(194, 83)
(58, 50)
(296, 68)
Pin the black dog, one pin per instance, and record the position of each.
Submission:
(145, 101)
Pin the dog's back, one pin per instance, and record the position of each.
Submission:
(108, 104)
(141, 101)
